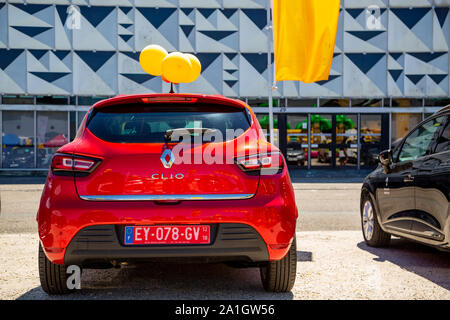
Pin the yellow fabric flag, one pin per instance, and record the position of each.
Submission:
(304, 34)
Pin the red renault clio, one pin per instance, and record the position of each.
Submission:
(179, 177)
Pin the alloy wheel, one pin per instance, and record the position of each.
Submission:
(368, 220)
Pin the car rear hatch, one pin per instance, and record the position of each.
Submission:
(140, 157)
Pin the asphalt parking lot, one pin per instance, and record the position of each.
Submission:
(333, 261)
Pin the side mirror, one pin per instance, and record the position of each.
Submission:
(385, 158)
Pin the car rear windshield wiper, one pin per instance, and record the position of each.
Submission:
(191, 131)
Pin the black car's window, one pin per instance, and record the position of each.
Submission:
(139, 123)
(417, 144)
(443, 142)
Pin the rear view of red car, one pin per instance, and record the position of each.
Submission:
(175, 177)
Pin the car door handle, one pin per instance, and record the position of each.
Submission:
(410, 178)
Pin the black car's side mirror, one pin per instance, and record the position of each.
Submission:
(385, 158)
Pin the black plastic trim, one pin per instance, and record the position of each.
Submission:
(102, 244)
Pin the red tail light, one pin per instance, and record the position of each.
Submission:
(169, 99)
(270, 163)
(73, 163)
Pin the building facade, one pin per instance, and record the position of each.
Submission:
(390, 70)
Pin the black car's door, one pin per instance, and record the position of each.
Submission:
(395, 194)
(432, 193)
(396, 200)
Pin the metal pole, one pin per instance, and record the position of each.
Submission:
(35, 135)
(76, 122)
(269, 29)
(309, 141)
(390, 129)
(1, 138)
(68, 126)
(358, 137)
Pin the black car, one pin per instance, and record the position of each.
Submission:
(19, 157)
(408, 194)
(295, 154)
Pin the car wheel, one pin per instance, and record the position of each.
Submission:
(279, 276)
(53, 276)
(301, 163)
(374, 236)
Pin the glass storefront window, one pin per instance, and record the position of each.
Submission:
(297, 128)
(367, 103)
(73, 124)
(370, 139)
(321, 138)
(51, 134)
(347, 139)
(440, 102)
(308, 103)
(17, 139)
(263, 119)
(426, 115)
(55, 128)
(72, 100)
(371, 128)
(81, 115)
(262, 103)
(406, 102)
(338, 102)
(51, 100)
(89, 101)
(402, 123)
(297, 139)
(6, 99)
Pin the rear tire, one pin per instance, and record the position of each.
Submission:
(53, 276)
(374, 236)
(279, 276)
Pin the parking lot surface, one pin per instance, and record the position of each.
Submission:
(332, 260)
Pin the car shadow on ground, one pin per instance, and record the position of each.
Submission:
(168, 281)
(304, 256)
(23, 179)
(325, 175)
(419, 259)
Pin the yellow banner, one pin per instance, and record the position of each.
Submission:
(304, 34)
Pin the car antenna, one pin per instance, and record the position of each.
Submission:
(171, 88)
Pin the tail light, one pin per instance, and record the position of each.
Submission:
(169, 99)
(64, 163)
(266, 164)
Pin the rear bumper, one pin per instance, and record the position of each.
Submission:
(272, 213)
(104, 243)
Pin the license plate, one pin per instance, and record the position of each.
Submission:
(192, 234)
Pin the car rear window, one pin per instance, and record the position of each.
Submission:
(142, 123)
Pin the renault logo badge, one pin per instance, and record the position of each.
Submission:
(167, 163)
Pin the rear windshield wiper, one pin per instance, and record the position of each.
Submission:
(191, 131)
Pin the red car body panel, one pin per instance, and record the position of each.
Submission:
(272, 211)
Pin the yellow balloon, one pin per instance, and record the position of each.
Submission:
(176, 67)
(196, 67)
(151, 58)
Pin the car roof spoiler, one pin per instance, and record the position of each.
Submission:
(170, 98)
